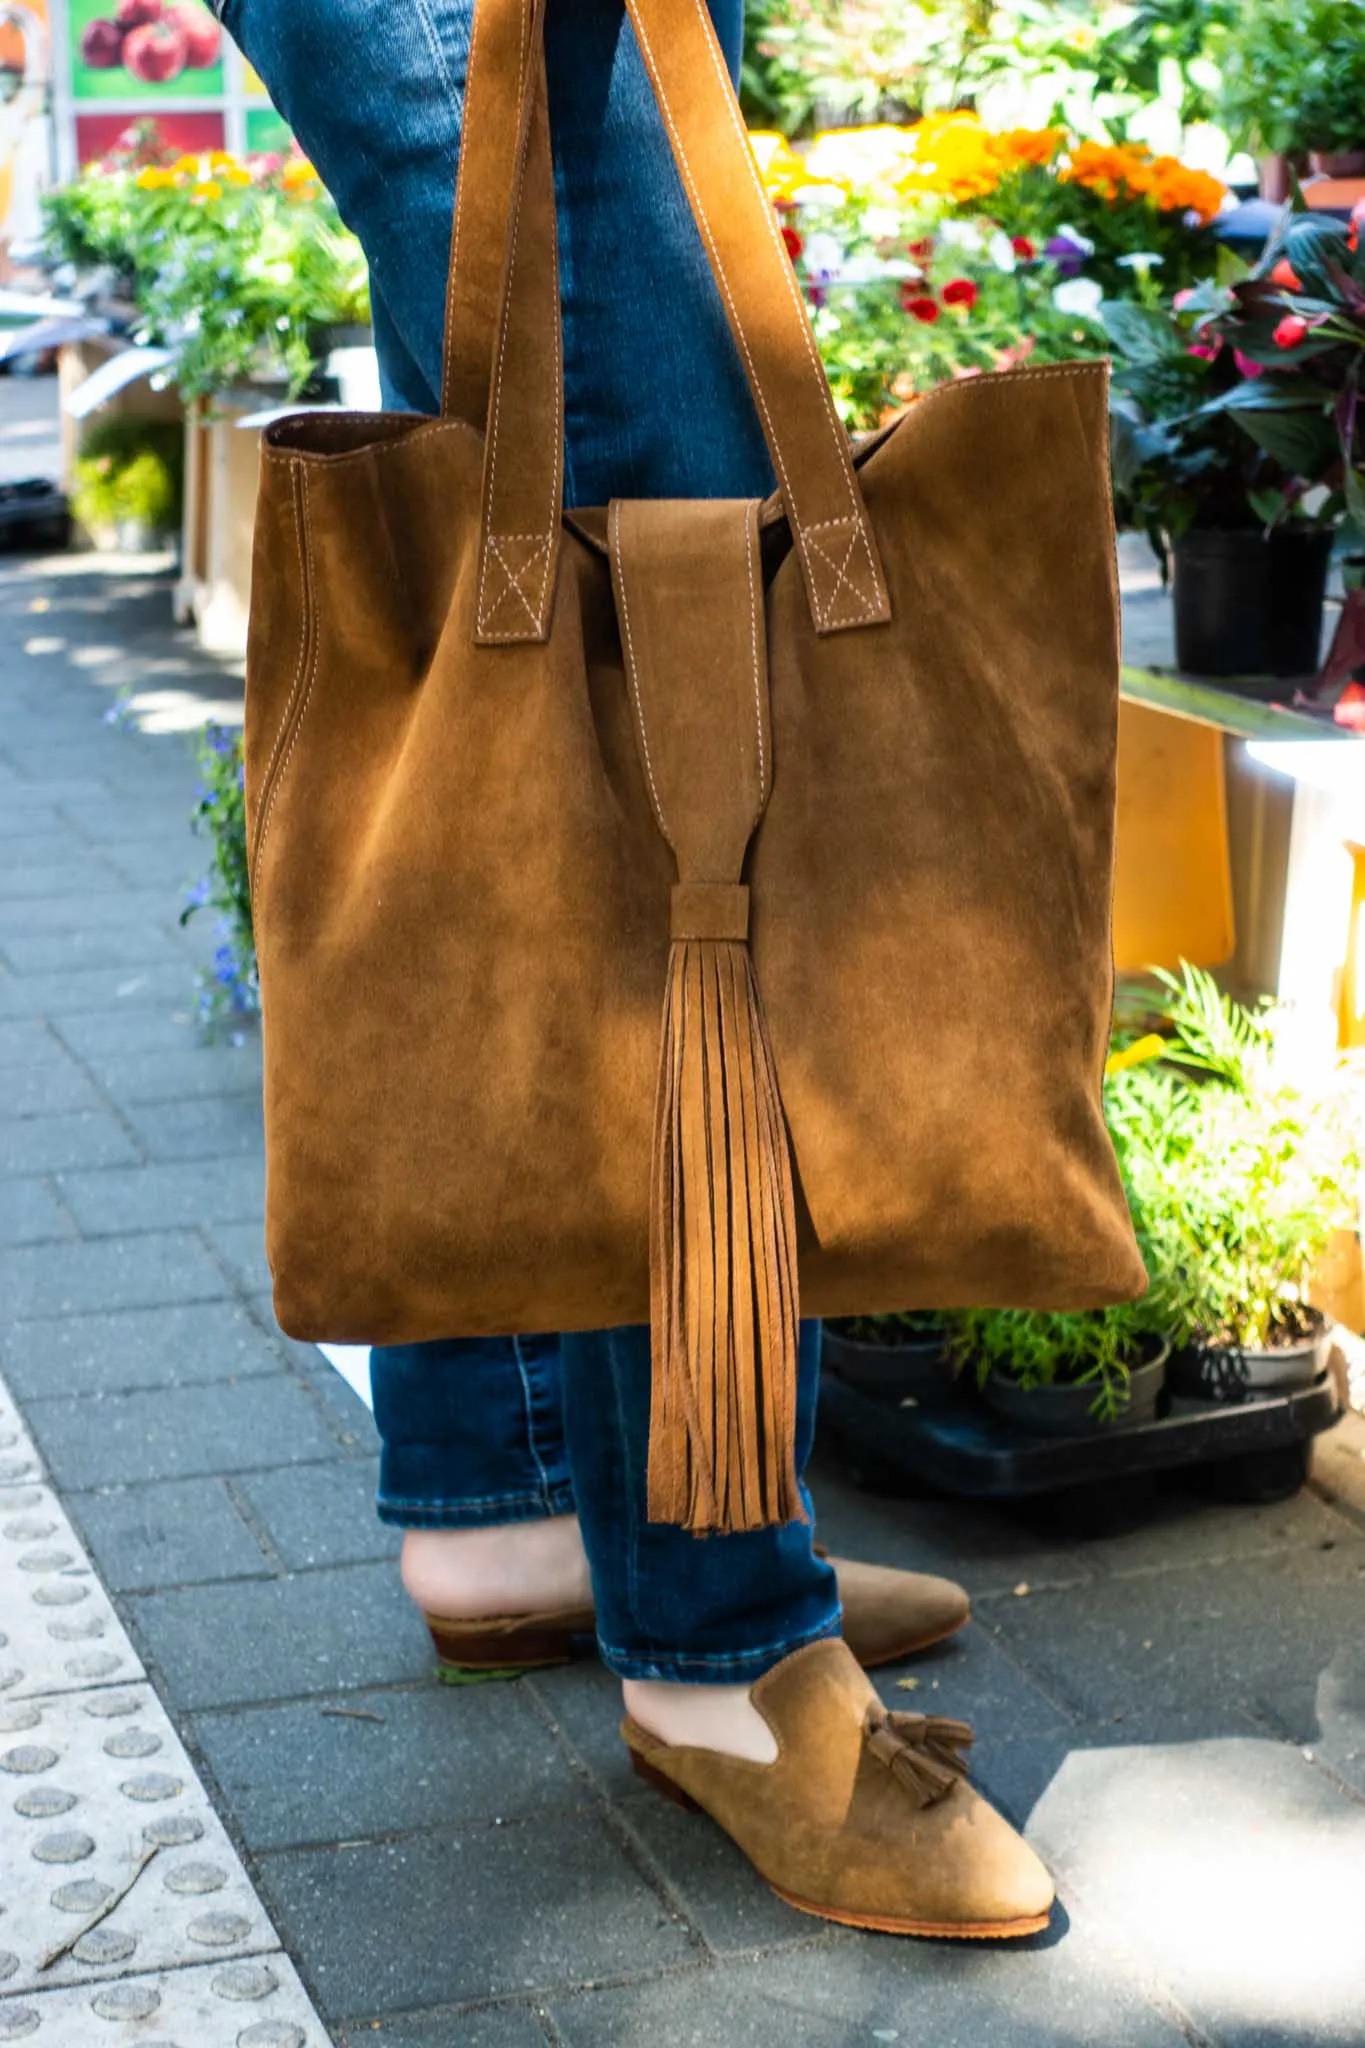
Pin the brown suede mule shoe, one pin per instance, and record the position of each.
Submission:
(865, 1817)
(887, 1615)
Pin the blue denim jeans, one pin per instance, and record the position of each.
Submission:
(506, 1429)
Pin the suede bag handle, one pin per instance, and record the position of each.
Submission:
(503, 352)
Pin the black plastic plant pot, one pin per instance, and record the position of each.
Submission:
(1068, 1410)
(1250, 604)
(916, 1370)
(1229, 1373)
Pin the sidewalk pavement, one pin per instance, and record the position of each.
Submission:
(1177, 1714)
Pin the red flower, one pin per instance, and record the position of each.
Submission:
(1023, 248)
(918, 306)
(1353, 234)
(1283, 275)
(960, 292)
(922, 249)
(794, 243)
(1246, 366)
(1291, 331)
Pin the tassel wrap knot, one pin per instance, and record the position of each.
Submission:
(923, 1752)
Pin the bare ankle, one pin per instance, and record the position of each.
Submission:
(720, 1717)
(501, 1568)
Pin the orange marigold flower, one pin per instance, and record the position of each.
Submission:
(1032, 145)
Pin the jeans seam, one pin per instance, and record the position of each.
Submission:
(424, 1502)
(529, 1406)
(438, 58)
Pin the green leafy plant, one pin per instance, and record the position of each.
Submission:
(237, 265)
(1294, 74)
(1265, 1175)
(231, 988)
(1181, 410)
(130, 472)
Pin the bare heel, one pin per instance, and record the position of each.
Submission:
(662, 1783)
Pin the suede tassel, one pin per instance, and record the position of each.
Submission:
(723, 1251)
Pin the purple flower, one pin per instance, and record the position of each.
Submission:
(198, 896)
(1067, 253)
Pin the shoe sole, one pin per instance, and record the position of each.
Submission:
(871, 1923)
(458, 1670)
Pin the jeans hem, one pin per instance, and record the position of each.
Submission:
(686, 1667)
(401, 1513)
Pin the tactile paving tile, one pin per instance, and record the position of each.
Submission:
(88, 1782)
(58, 1630)
(256, 2004)
(100, 1808)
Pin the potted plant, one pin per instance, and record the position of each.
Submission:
(1072, 1374)
(1261, 1174)
(128, 482)
(1230, 510)
(1294, 81)
(1297, 321)
(901, 1357)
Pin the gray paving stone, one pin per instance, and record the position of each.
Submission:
(139, 945)
(101, 904)
(100, 1035)
(1188, 1640)
(242, 1247)
(46, 1090)
(715, 1887)
(1236, 1871)
(344, 1629)
(470, 1929)
(437, 1756)
(199, 1071)
(75, 875)
(52, 1144)
(1339, 1466)
(157, 1197)
(322, 1514)
(178, 1432)
(506, 2026)
(29, 1043)
(29, 1213)
(984, 1547)
(169, 1534)
(867, 1990)
(157, 1347)
(151, 1270)
(82, 989)
(221, 1127)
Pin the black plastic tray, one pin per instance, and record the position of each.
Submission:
(963, 1447)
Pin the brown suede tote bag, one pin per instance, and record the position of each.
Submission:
(681, 912)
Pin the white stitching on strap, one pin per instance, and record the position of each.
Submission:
(750, 549)
(841, 578)
(484, 611)
(312, 613)
(632, 672)
(514, 576)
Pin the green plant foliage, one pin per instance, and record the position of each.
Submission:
(1294, 74)
(1236, 1179)
(908, 1326)
(238, 266)
(232, 988)
(130, 472)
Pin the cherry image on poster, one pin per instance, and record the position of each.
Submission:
(144, 49)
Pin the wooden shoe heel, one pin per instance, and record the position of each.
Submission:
(662, 1783)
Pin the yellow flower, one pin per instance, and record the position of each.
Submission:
(186, 166)
(298, 174)
(1136, 1055)
(206, 189)
(780, 168)
(154, 179)
(236, 174)
(220, 160)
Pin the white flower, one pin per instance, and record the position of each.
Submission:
(1077, 239)
(1078, 295)
(960, 234)
(824, 254)
(1142, 260)
(1002, 251)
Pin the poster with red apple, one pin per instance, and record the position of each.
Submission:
(132, 50)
